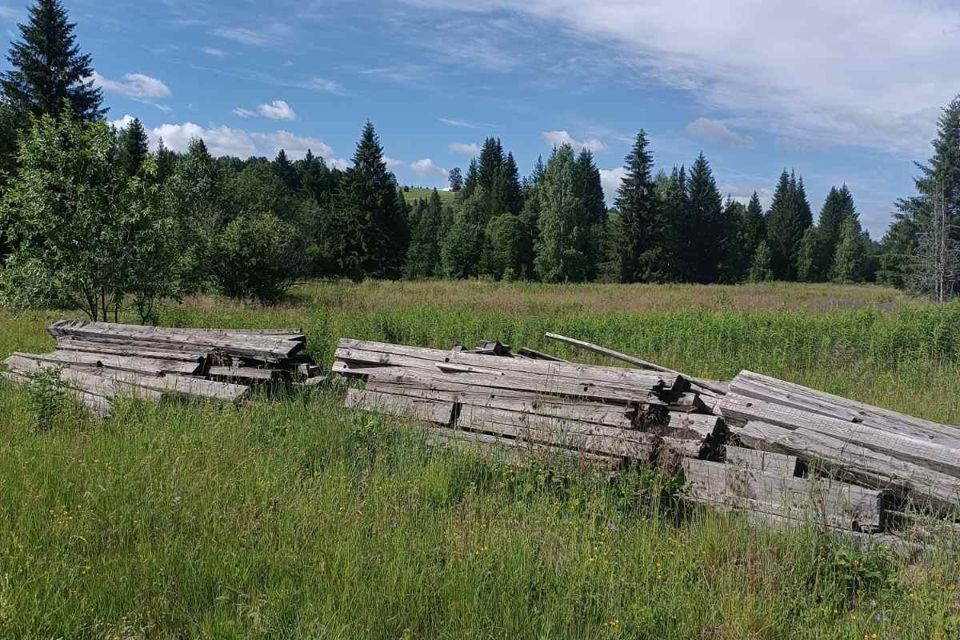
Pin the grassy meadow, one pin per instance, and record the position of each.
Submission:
(291, 517)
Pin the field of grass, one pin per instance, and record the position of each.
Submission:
(412, 194)
(294, 518)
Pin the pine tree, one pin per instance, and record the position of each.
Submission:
(558, 258)
(370, 192)
(47, 68)
(285, 170)
(707, 227)
(760, 270)
(133, 148)
(636, 202)
(788, 219)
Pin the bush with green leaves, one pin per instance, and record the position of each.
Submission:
(258, 257)
(81, 231)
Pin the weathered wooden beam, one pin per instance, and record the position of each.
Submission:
(643, 364)
(855, 463)
(401, 406)
(925, 453)
(529, 384)
(515, 452)
(97, 405)
(755, 460)
(71, 344)
(755, 385)
(147, 366)
(832, 503)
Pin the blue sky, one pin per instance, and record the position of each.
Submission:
(842, 91)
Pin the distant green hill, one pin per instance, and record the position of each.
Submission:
(412, 194)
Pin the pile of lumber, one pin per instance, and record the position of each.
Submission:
(779, 452)
(100, 361)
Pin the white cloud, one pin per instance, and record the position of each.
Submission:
(393, 163)
(134, 85)
(266, 35)
(122, 123)
(471, 149)
(870, 73)
(276, 110)
(222, 140)
(465, 124)
(213, 51)
(427, 167)
(321, 84)
(610, 180)
(716, 131)
(561, 137)
(6, 13)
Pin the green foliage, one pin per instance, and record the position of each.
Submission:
(503, 252)
(809, 268)
(75, 220)
(747, 229)
(46, 399)
(455, 179)
(849, 263)
(760, 266)
(562, 228)
(464, 240)
(257, 256)
(47, 71)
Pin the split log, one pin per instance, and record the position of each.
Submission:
(831, 503)
(855, 463)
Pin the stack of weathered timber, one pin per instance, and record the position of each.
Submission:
(98, 361)
(777, 451)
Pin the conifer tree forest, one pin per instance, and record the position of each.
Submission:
(92, 218)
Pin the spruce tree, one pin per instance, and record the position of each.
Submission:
(589, 189)
(558, 258)
(636, 201)
(369, 191)
(315, 178)
(707, 227)
(787, 221)
(735, 262)
(166, 162)
(664, 263)
(455, 179)
(133, 148)
(286, 171)
(836, 209)
(47, 69)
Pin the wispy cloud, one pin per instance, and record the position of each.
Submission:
(716, 131)
(134, 85)
(561, 137)
(6, 13)
(213, 51)
(454, 122)
(471, 149)
(269, 34)
(758, 62)
(275, 110)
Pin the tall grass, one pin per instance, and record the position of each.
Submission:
(295, 518)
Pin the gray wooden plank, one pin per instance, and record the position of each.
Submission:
(851, 462)
(70, 344)
(782, 464)
(147, 366)
(925, 453)
(834, 503)
(401, 406)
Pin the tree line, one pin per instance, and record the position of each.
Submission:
(92, 218)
